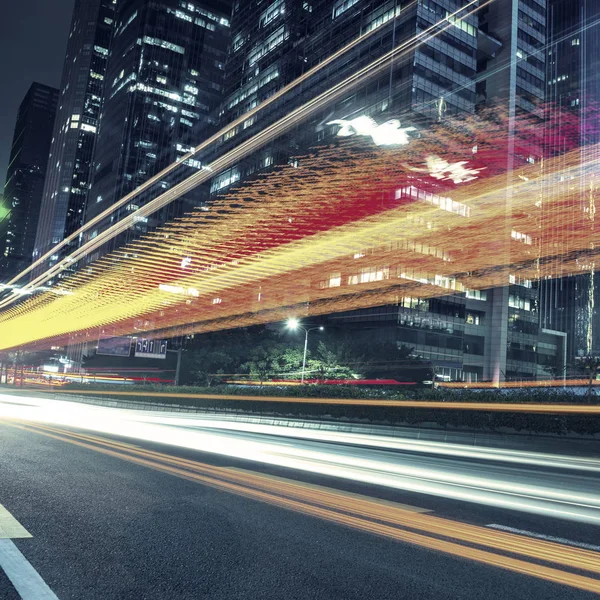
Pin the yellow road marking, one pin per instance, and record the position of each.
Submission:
(10, 528)
(360, 513)
(391, 513)
(343, 494)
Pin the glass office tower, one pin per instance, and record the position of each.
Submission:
(25, 177)
(76, 128)
(493, 57)
(165, 76)
(570, 304)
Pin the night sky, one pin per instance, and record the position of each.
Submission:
(33, 38)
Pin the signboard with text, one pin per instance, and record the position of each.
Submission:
(145, 348)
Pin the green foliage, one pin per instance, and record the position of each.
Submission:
(261, 355)
(589, 365)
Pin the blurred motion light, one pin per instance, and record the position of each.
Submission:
(387, 134)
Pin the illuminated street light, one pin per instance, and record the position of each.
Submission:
(294, 324)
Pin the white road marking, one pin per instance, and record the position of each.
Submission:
(26, 580)
(541, 536)
(10, 528)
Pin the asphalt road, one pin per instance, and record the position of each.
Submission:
(116, 516)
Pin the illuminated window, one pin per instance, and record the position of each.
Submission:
(443, 203)
(341, 6)
(521, 237)
(335, 280)
(271, 42)
(163, 44)
(272, 12)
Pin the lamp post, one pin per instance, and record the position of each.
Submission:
(294, 325)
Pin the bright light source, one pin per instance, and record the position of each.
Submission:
(186, 262)
(321, 328)
(387, 134)
(293, 324)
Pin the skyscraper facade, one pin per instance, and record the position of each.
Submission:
(467, 62)
(165, 75)
(25, 177)
(274, 43)
(76, 128)
(167, 64)
(570, 304)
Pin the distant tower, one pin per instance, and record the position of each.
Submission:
(570, 304)
(25, 178)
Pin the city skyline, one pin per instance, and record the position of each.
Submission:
(492, 56)
(22, 62)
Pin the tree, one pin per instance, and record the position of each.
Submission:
(589, 365)
(336, 360)
(555, 368)
(265, 360)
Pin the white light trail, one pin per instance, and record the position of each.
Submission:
(448, 475)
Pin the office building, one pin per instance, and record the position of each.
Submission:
(491, 334)
(273, 44)
(164, 77)
(76, 128)
(25, 177)
(570, 304)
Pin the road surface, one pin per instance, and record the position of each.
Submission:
(104, 503)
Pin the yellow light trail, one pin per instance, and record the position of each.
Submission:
(231, 157)
(385, 519)
(570, 409)
(232, 251)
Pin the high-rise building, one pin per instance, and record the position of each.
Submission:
(274, 43)
(25, 177)
(493, 57)
(512, 77)
(165, 75)
(76, 128)
(570, 304)
(158, 105)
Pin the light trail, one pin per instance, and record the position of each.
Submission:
(230, 158)
(397, 522)
(449, 473)
(530, 408)
(212, 139)
(249, 245)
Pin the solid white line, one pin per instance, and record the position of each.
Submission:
(24, 577)
(541, 536)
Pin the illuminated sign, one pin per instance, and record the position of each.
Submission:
(145, 348)
(387, 134)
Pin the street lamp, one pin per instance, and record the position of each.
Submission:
(294, 324)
